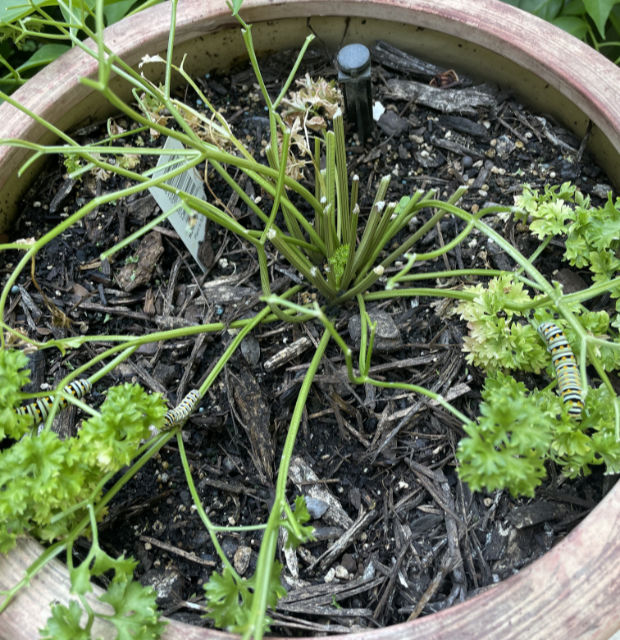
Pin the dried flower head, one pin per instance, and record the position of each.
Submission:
(316, 101)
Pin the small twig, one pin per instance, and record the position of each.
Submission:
(359, 526)
(444, 569)
(192, 557)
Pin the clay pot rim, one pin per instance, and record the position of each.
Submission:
(574, 68)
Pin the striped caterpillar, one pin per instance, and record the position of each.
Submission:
(182, 411)
(563, 359)
(40, 408)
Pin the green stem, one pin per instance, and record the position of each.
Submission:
(200, 509)
(266, 555)
(170, 48)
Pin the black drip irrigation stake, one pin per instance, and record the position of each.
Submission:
(354, 74)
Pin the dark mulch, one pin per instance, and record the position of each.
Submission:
(402, 535)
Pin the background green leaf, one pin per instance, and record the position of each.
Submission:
(572, 24)
(599, 11)
(11, 10)
(573, 8)
(43, 56)
(545, 9)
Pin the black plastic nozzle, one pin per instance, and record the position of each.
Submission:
(354, 75)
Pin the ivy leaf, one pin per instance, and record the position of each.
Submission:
(64, 624)
(599, 11)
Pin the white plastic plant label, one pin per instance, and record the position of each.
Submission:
(190, 229)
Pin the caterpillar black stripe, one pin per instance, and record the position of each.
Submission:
(182, 411)
(40, 408)
(563, 359)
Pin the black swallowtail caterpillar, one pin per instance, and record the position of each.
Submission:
(563, 359)
(40, 408)
(182, 411)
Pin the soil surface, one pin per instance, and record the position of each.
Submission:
(397, 534)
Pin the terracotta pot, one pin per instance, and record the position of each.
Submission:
(574, 590)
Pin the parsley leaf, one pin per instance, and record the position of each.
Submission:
(135, 612)
(64, 623)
